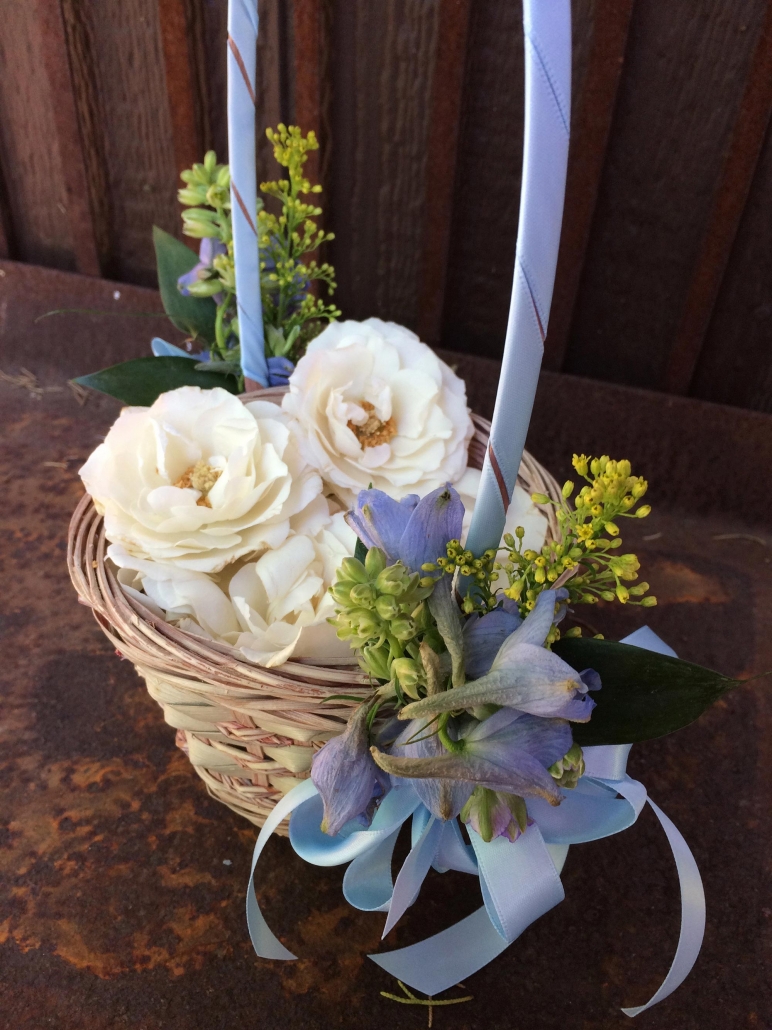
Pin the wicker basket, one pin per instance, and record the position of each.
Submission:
(250, 732)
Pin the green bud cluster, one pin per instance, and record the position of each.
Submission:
(568, 769)
(382, 613)
(583, 560)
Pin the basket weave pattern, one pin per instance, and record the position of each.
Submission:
(249, 732)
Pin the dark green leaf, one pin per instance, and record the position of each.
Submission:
(142, 380)
(644, 694)
(225, 368)
(192, 315)
(360, 551)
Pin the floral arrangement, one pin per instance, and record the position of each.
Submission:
(331, 526)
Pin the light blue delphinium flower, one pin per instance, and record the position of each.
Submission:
(524, 675)
(510, 751)
(413, 531)
(347, 778)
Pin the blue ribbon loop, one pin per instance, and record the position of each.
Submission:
(519, 881)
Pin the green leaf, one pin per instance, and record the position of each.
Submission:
(643, 695)
(192, 315)
(360, 551)
(142, 380)
(225, 368)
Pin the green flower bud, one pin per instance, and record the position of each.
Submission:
(393, 580)
(403, 628)
(377, 661)
(375, 562)
(409, 674)
(387, 607)
(205, 288)
(341, 591)
(649, 602)
(540, 499)
(568, 489)
(643, 512)
(352, 568)
(363, 594)
(567, 770)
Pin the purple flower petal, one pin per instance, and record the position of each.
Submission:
(483, 636)
(346, 776)
(529, 678)
(279, 371)
(436, 520)
(444, 798)
(379, 521)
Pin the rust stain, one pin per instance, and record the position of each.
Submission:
(675, 583)
(65, 853)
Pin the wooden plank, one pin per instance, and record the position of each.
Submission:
(309, 48)
(178, 20)
(381, 83)
(735, 363)
(681, 88)
(589, 139)
(70, 143)
(32, 170)
(728, 206)
(445, 117)
(135, 121)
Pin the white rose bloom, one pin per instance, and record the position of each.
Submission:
(199, 479)
(193, 600)
(375, 405)
(282, 600)
(269, 609)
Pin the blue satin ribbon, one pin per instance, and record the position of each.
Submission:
(519, 881)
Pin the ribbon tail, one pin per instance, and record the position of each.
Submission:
(439, 962)
(519, 882)
(264, 941)
(413, 873)
(692, 914)
(367, 883)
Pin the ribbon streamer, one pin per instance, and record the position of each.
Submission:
(519, 881)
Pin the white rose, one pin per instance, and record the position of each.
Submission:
(191, 599)
(268, 609)
(199, 479)
(282, 600)
(375, 405)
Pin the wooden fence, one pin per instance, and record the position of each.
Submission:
(665, 271)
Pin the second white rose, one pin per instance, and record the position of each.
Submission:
(374, 405)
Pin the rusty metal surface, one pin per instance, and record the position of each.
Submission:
(122, 883)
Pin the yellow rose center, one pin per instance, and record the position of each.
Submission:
(201, 477)
(373, 432)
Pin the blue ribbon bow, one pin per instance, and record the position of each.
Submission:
(519, 881)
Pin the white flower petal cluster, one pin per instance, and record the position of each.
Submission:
(268, 609)
(199, 480)
(282, 600)
(374, 405)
